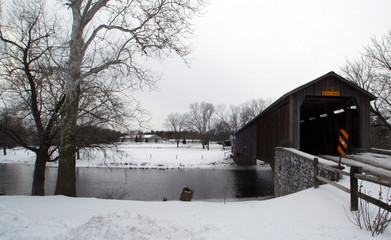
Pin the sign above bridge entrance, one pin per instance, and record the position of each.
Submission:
(331, 93)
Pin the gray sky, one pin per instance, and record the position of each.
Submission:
(252, 48)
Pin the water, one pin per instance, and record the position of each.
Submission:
(148, 184)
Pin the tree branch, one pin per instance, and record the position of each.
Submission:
(100, 68)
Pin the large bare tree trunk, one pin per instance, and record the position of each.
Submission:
(38, 188)
(66, 178)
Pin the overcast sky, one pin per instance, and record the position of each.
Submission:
(263, 49)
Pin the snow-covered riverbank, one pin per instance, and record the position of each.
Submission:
(140, 155)
(310, 214)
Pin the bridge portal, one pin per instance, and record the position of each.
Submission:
(309, 119)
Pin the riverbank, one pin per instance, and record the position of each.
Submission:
(310, 214)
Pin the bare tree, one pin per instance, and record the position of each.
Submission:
(29, 94)
(221, 124)
(115, 35)
(372, 72)
(176, 123)
(8, 123)
(32, 90)
(106, 104)
(234, 119)
(199, 119)
(229, 117)
(253, 108)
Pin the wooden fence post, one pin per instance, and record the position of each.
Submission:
(316, 181)
(354, 187)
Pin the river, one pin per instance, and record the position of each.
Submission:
(149, 184)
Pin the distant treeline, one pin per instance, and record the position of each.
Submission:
(172, 134)
(188, 135)
(85, 136)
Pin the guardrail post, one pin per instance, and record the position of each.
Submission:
(354, 187)
(316, 181)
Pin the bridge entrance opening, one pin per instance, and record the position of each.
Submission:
(321, 118)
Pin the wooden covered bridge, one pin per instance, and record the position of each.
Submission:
(308, 118)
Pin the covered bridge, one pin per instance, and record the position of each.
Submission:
(308, 118)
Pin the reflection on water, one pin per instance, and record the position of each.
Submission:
(148, 184)
(249, 182)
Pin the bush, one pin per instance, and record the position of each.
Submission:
(373, 219)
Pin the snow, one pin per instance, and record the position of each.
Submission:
(310, 214)
(139, 155)
(376, 159)
(373, 164)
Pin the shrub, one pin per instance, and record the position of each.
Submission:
(373, 219)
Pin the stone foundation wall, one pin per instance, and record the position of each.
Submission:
(294, 171)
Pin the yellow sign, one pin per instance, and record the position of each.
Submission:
(343, 142)
(331, 93)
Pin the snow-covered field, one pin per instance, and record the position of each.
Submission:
(139, 155)
(310, 214)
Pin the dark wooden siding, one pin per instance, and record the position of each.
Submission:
(246, 146)
(272, 131)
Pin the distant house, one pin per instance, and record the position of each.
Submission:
(128, 138)
(152, 138)
(148, 138)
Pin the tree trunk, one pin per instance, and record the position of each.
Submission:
(205, 142)
(77, 153)
(38, 188)
(4, 150)
(66, 178)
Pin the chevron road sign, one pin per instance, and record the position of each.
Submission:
(343, 142)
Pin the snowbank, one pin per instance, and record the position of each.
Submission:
(310, 214)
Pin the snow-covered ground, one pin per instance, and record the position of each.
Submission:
(310, 214)
(139, 155)
(375, 159)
